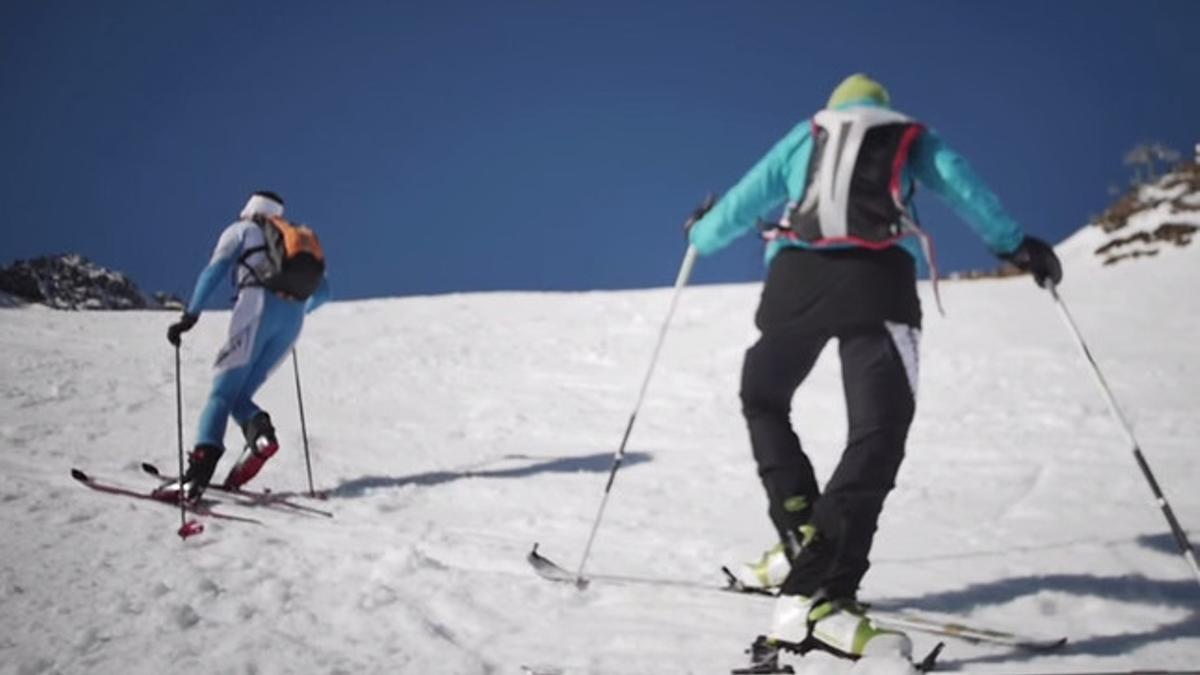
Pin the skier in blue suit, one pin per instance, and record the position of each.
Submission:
(842, 263)
(264, 325)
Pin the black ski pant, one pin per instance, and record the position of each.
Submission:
(880, 404)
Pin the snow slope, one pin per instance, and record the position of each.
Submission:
(456, 431)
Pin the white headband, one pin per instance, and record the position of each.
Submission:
(260, 205)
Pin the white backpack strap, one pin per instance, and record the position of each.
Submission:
(808, 201)
(833, 177)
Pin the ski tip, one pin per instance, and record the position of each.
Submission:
(79, 476)
(930, 661)
(544, 565)
(548, 569)
(1056, 644)
(533, 555)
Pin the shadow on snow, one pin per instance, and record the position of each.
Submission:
(531, 466)
(1182, 594)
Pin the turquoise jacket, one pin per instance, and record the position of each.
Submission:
(782, 174)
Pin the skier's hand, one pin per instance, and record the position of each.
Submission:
(1037, 257)
(698, 213)
(183, 325)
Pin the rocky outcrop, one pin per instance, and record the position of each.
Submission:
(74, 282)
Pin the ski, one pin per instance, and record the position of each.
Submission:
(200, 509)
(251, 497)
(764, 657)
(951, 628)
(899, 620)
(902, 620)
(552, 571)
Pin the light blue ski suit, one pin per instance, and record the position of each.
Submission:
(262, 330)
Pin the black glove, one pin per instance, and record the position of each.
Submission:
(183, 325)
(698, 213)
(1037, 257)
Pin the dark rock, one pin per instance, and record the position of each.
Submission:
(73, 282)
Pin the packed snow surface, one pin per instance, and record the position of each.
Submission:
(455, 431)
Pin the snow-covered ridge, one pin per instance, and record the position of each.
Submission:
(71, 281)
(1149, 219)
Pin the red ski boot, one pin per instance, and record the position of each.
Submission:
(261, 444)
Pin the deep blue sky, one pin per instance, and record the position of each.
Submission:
(451, 146)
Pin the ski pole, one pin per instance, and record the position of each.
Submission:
(303, 428)
(685, 271)
(186, 528)
(183, 525)
(1177, 530)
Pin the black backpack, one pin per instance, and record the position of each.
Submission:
(853, 194)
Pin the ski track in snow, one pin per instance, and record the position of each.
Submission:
(455, 431)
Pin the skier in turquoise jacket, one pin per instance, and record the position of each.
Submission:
(843, 262)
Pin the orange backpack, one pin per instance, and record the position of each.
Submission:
(294, 260)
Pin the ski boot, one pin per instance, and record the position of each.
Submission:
(202, 463)
(261, 445)
(767, 574)
(764, 575)
(838, 626)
